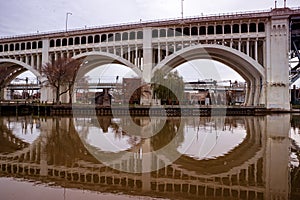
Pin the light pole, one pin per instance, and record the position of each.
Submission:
(284, 3)
(67, 14)
(182, 9)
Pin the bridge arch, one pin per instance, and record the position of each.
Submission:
(94, 59)
(248, 68)
(21, 64)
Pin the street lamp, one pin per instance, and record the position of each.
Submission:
(182, 9)
(67, 14)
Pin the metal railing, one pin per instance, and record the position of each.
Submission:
(257, 13)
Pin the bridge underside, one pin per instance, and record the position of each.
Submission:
(249, 69)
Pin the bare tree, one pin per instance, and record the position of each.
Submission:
(62, 72)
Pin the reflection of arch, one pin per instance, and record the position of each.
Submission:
(86, 171)
(9, 142)
(249, 149)
(248, 68)
(94, 59)
(19, 63)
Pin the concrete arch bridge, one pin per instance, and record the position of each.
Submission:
(255, 44)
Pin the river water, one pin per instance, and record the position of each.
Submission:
(243, 157)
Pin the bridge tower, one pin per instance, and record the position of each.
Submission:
(277, 61)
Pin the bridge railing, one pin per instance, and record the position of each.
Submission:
(166, 20)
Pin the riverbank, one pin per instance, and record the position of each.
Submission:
(175, 110)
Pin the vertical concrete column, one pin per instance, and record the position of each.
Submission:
(45, 51)
(32, 62)
(248, 47)
(248, 92)
(129, 54)
(38, 62)
(115, 50)
(255, 49)
(147, 54)
(167, 49)
(277, 62)
(46, 91)
(122, 52)
(159, 53)
(27, 59)
(136, 56)
(4, 94)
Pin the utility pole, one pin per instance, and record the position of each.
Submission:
(284, 3)
(182, 9)
(67, 14)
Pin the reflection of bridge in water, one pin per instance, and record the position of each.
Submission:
(255, 169)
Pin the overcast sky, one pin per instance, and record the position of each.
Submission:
(29, 16)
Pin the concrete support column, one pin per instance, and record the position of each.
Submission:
(27, 59)
(136, 56)
(248, 47)
(38, 62)
(47, 93)
(115, 50)
(45, 51)
(256, 50)
(167, 49)
(247, 94)
(257, 91)
(129, 53)
(159, 53)
(140, 57)
(147, 54)
(122, 52)
(32, 62)
(239, 45)
(277, 62)
(4, 94)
